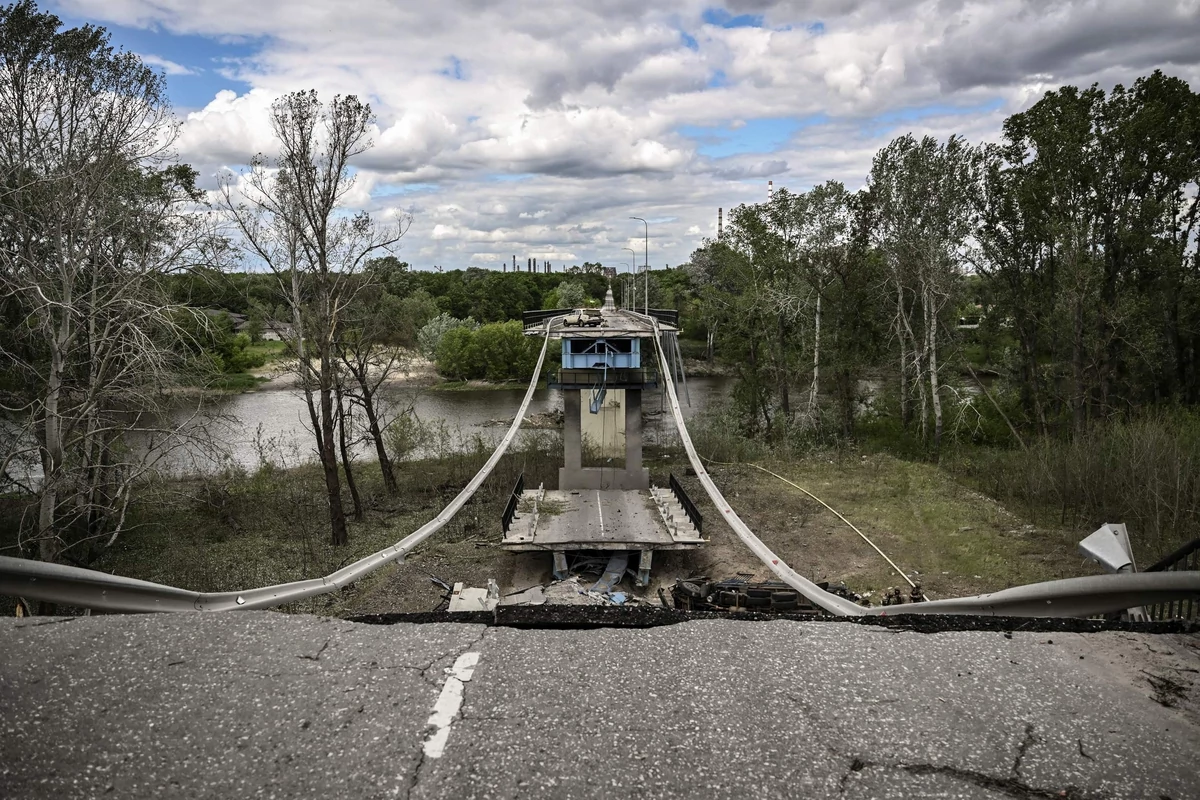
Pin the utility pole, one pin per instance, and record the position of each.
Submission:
(633, 271)
(646, 259)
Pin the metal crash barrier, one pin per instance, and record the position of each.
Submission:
(58, 583)
(1071, 597)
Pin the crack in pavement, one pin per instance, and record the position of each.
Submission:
(1029, 741)
(42, 623)
(317, 656)
(1011, 787)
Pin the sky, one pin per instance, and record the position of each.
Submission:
(537, 129)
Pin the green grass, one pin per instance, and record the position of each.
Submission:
(960, 541)
(269, 350)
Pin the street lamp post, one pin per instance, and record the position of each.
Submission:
(633, 269)
(626, 263)
(647, 264)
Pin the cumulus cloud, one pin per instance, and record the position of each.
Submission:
(511, 128)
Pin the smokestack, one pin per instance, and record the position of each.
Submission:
(514, 263)
(720, 222)
(770, 190)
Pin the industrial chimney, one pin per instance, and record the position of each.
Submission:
(770, 190)
(720, 222)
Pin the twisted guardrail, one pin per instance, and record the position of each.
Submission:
(58, 583)
(1070, 597)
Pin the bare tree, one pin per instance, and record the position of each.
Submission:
(93, 213)
(370, 360)
(291, 216)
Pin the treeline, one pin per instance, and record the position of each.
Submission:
(413, 297)
(1071, 243)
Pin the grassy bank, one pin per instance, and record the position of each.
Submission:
(241, 530)
(946, 536)
(479, 385)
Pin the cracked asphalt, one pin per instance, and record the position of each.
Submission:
(261, 704)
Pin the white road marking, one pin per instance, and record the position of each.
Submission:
(600, 511)
(448, 704)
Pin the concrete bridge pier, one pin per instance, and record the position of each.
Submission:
(573, 475)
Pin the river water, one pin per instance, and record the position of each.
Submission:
(275, 423)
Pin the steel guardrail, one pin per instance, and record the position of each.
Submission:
(58, 583)
(1070, 597)
(1186, 558)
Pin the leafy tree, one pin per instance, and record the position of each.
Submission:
(458, 354)
(505, 351)
(430, 337)
(93, 215)
(923, 193)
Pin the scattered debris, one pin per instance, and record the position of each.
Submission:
(701, 594)
(469, 598)
(540, 420)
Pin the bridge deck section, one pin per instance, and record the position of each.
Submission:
(590, 519)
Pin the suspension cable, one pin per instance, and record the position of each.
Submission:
(899, 571)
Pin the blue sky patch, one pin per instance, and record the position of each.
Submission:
(400, 189)
(455, 70)
(882, 123)
(200, 54)
(723, 19)
(717, 79)
(756, 136)
(688, 40)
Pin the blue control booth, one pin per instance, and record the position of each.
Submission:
(588, 353)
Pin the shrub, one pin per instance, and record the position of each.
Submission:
(430, 336)
(1144, 472)
(506, 353)
(458, 356)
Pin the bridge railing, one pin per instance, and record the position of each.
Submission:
(514, 500)
(689, 507)
(59, 583)
(532, 320)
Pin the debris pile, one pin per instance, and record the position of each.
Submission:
(739, 594)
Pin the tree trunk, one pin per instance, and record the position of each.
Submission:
(932, 345)
(328, 453)
(350, 483)
(385, 463)
(816, 371)
(905, 402)
(785, 400)
(52, 451)
(1079, 396)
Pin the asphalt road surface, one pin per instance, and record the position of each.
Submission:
(261, 704)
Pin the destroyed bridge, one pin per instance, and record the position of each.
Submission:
(608, 361)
